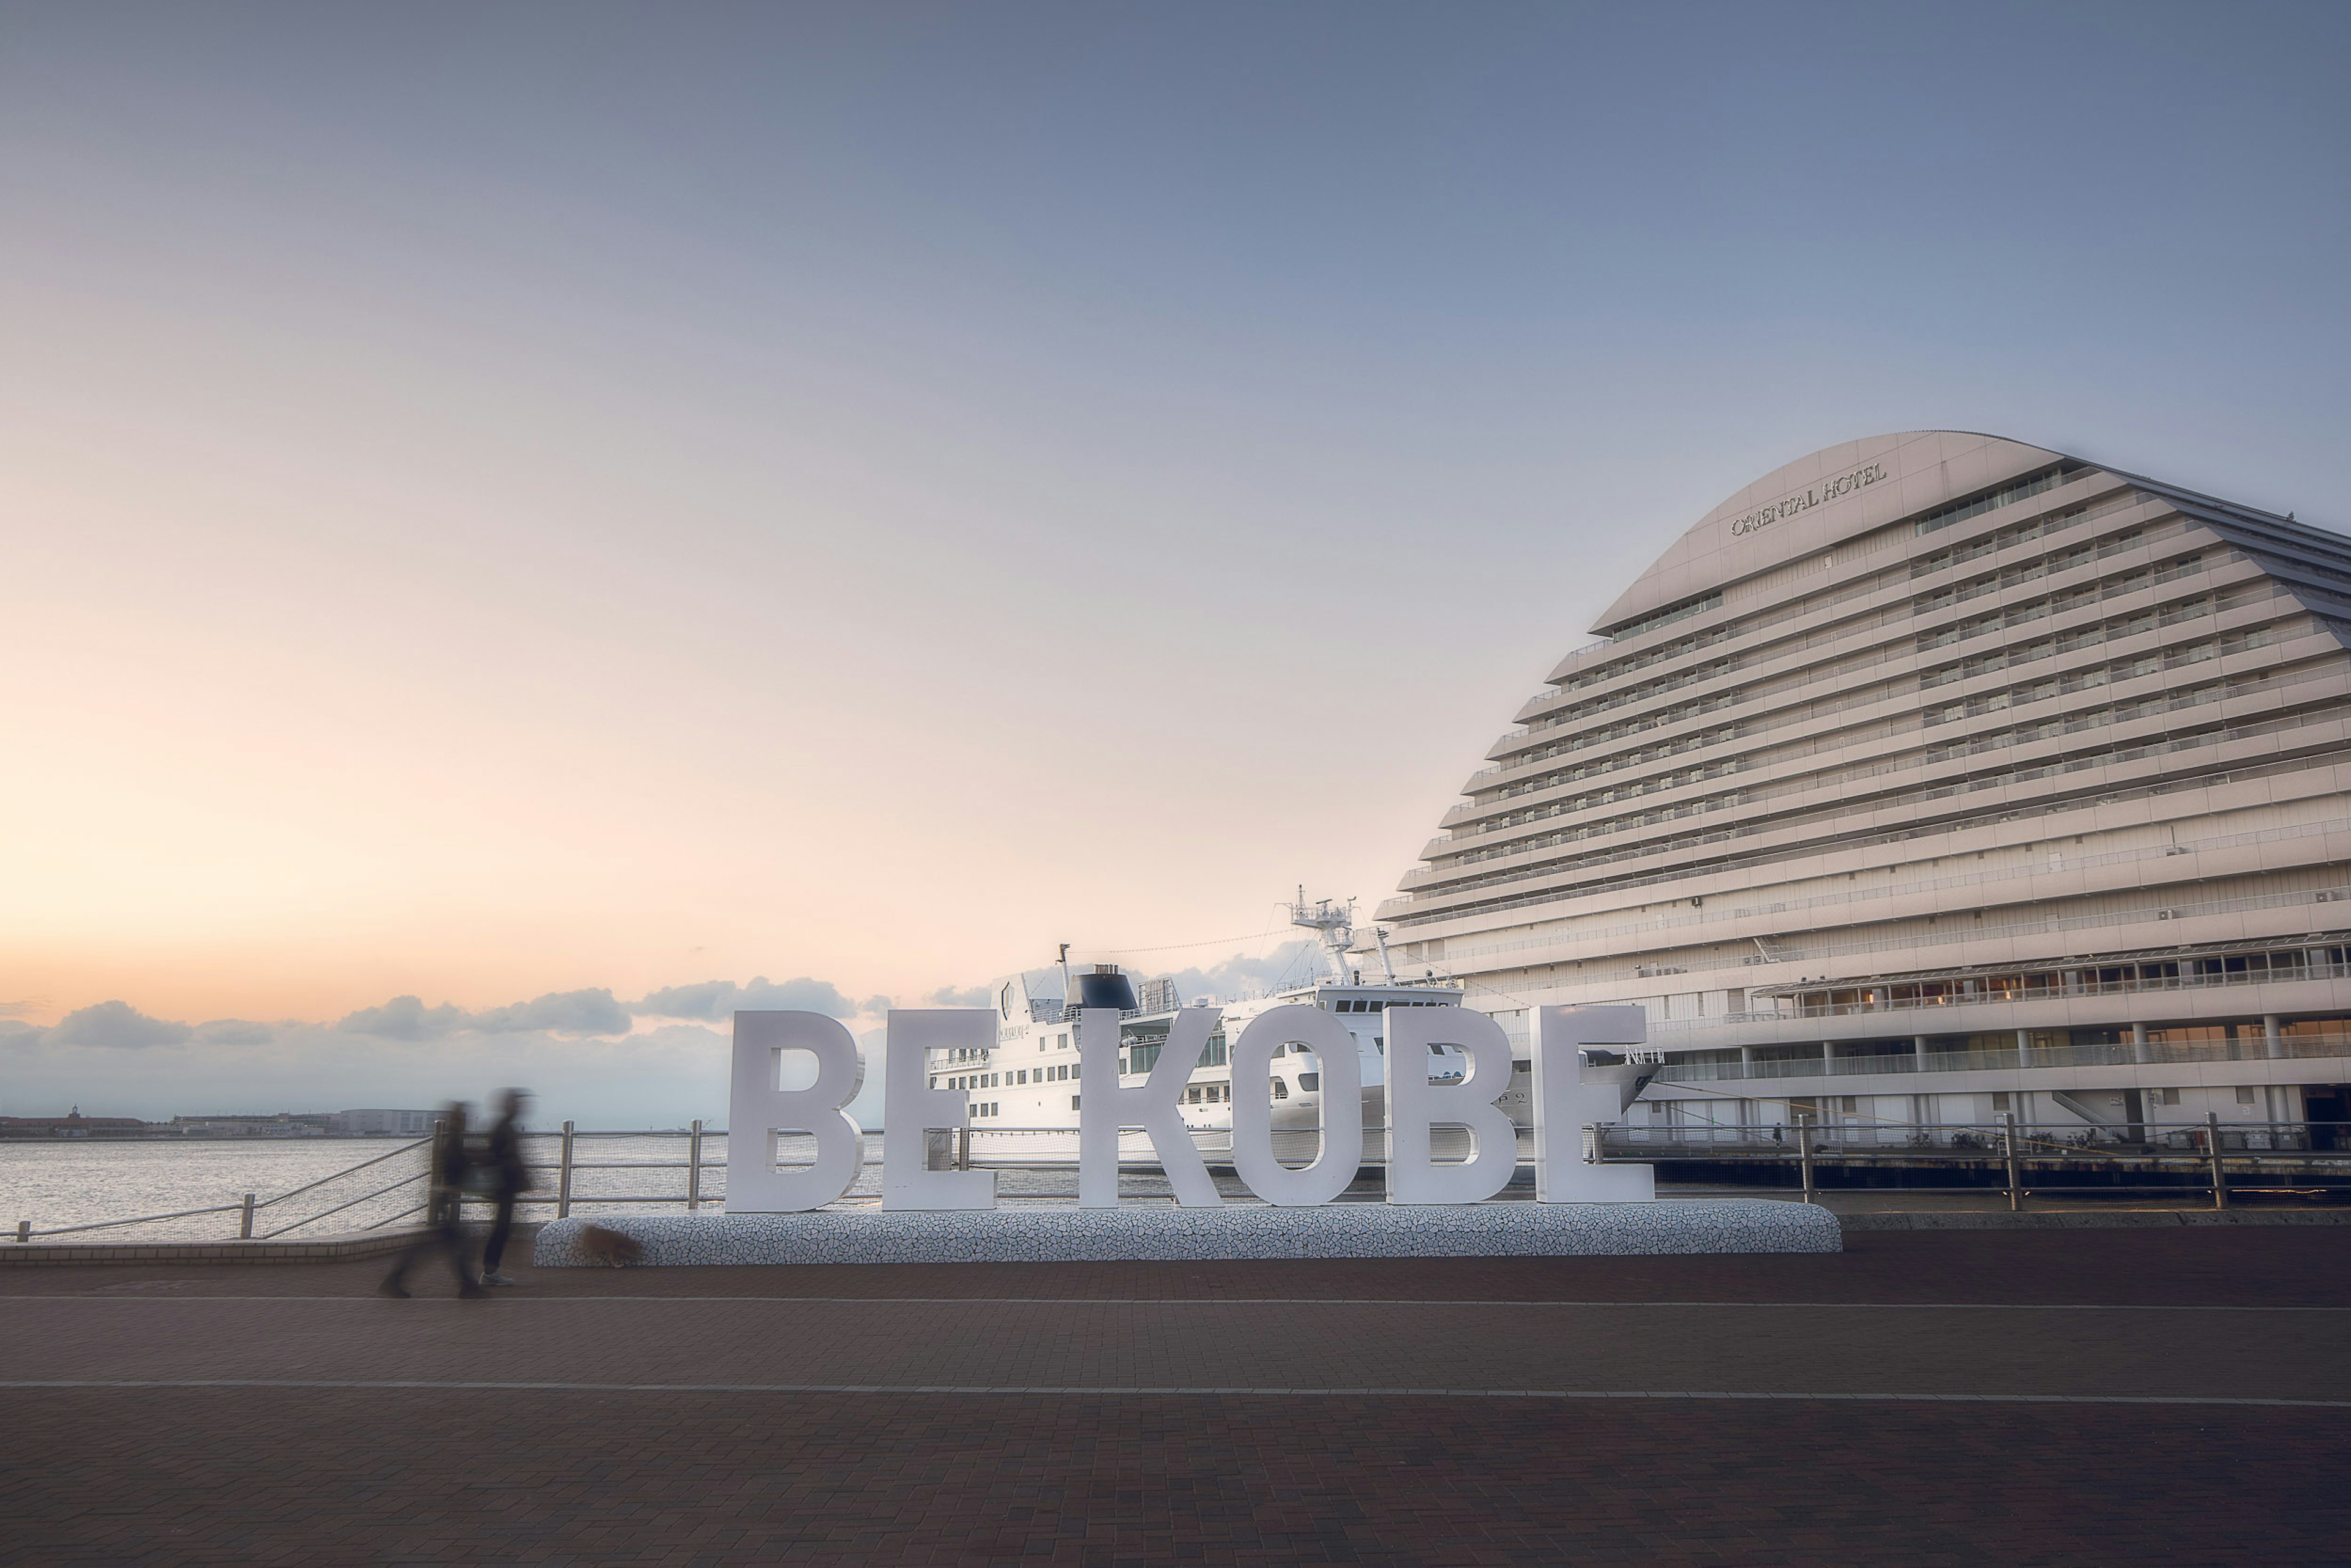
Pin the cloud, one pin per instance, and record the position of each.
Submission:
(235, 1031)
(969, 996)
(117, 1025)
(592, 1012)
(19, 1009)
(406, 1018)
(1293, 963)
(717, 999)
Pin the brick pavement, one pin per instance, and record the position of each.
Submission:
(233, 1475)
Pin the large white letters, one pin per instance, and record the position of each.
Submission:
(758, 1110)
(1105, 1110)
(1415, 1104)
(1568, 1099)
(910, 1109)
(1343, 1106)
(1569, 1096)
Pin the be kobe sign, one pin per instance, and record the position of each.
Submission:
(1566, 1102)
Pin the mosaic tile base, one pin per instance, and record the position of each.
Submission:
(1059, 1234)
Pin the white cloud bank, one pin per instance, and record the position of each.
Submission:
(658, 1061)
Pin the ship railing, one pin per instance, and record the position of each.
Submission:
(2248, 1048)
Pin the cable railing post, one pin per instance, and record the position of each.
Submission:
(24, 1232)
(2212, 1147)
(693, 1168)
(244, 1220)
(2015, 1174)
(563, 1177)
(1804, 1155)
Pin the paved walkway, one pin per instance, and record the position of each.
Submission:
(1923, 1398)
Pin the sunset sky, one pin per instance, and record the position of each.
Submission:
(511, 507)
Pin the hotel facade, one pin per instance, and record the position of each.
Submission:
(1930, 778)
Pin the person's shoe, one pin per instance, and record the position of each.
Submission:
(496, 1277)
(473, 1292)
(392, 1288)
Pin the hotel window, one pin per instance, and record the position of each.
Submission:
(1073, 1102)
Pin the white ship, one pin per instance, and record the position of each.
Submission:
(1023, 1092)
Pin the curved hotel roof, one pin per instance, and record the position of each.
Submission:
(1941, 748)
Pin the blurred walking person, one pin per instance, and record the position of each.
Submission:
(450, 1161)
(509, 1178)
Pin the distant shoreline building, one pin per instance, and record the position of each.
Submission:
(368, 1124)
(1932, 776)
(273, 1124)
(381, 1123)
(72, 1125)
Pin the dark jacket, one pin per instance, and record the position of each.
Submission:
(503, 1153)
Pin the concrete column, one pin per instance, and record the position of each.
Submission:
(2023, 1048)
(2272, 1042)
(1919, 1049)
(1746, 1056)
(2139, 1042)
(1828, 1054)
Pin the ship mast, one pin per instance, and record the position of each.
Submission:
(1335, 924)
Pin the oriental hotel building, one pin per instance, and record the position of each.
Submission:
(1929, 778)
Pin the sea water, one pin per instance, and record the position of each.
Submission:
(80, 1182)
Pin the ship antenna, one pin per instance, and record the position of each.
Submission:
(1336, 926)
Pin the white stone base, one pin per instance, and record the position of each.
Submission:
(1057, 1234)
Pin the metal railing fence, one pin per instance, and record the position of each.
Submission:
(2174, 1152)
(2076, 1158)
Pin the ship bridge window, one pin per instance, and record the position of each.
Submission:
(1280, 1089)
(1310, 1080)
